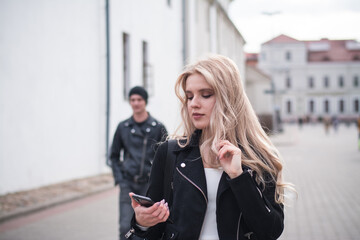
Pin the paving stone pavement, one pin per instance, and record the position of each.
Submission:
(325, 170)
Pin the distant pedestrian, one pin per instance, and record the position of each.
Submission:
(300, 122)
(327, 123)
(132, 153)
(335, 123)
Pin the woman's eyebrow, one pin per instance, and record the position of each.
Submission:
(201, 90)
(206, 90)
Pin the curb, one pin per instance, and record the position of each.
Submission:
(51, 203)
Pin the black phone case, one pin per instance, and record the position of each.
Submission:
(143, 201)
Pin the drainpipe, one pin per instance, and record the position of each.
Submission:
(107, 80)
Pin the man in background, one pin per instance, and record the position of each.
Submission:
(132, 153)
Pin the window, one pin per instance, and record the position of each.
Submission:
(288, 107)
(326, 82)
(311, 106)
(341, 81)
(263, 56)
(356, 105)
(145, 75)
(288, 56)
(169, 3)
(326, 106)
(126, 64)
(356, 81)
(311, 82)
(288, 82)
(341, 106)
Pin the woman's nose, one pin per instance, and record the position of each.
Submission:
(195, 102)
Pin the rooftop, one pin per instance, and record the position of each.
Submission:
(325, 50)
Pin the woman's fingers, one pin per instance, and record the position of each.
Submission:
(224, 153)
(227, 150)
(165, 215)
(134, 204)
(162, 213)
(230, 158)
(150, 216)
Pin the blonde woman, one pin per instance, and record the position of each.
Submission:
(227, 179)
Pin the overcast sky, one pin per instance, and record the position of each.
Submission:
(260, 20)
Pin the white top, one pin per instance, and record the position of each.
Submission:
(209, 228)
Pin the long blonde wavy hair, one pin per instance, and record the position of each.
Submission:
(232, 119)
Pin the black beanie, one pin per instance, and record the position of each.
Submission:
(140, 91)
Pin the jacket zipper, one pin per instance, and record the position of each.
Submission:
(238, 230)
(193, 184)
(261, 195)
(129, 233)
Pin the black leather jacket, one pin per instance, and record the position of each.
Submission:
(132, 145)
(243, 210)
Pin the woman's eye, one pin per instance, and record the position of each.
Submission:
(207, 96)
(189, 98)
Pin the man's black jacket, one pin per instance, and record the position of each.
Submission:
(131, 143)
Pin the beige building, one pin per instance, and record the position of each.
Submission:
(259, 92)
(315, 79)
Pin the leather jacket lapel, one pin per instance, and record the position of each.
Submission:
(134, 128)
(192, 169)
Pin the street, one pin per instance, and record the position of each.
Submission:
(323, 167)
(325, 171)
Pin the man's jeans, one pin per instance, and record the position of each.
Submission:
(126, 211)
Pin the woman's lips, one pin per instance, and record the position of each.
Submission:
(197, 115)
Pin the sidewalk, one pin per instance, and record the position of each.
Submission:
(25, 202)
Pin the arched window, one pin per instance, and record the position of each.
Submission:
(288, 107)
(341, 106)
(288, 82)
(356, 81)
(341, 81)
(326, 82)
(288, 56)
(311, 106)
(326, 106)
(356, 106)
(311, 82)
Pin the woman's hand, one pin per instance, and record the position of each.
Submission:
(230, 158)
(150, 216)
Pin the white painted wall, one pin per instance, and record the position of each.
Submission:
(53, 80)
(212, 32)
(256, 85)
(159, 25)
(52, 92)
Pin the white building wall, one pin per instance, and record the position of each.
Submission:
(53, 80)
(161, 27)
(215, 33)
(52, 90)
(334, 92)
(230, 41)
(256, 87)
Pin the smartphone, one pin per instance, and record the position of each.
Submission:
(142, 200)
